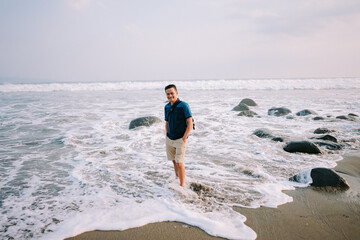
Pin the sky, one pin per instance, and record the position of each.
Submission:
(114, 40)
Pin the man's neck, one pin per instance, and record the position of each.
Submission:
(172, 103)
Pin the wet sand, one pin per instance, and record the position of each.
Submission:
(313, 214)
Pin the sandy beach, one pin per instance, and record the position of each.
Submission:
(313, 214)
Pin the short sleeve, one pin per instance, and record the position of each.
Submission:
(165, 114)
(187, 111)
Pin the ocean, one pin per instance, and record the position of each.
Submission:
(69, 162)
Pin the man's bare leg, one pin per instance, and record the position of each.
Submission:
(181, 172)
(176, 169)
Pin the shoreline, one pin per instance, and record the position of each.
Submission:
(313, 214)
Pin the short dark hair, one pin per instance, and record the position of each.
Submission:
(170, 86)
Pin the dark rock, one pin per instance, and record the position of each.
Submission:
(263, 133)
(247, 113)
(200, 189)
(143, 121)
(318, 118)
(348, 117)
(305, 112)
(277, 139)
(327, 138)
(324, 177)
(330, 146)
(56, 221)
(322, 130)
(249, 102)
(342, 117)
(197, 187)
(282, 111)
(241, 107)
(302, 146)
(353, 115)
(266, 133)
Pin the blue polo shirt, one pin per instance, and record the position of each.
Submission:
(177, 120)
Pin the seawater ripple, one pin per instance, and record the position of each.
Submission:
(69, 163)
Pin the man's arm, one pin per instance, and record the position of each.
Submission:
(166, 126)
(188, 129)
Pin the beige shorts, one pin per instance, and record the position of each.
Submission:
(175, 150)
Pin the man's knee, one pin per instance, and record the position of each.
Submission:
(180, 164)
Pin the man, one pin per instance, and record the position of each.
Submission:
(178, 124)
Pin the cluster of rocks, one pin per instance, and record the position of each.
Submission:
(283, 111)
(322, 178)
(349, 117)
(311, 147)
(243, 108)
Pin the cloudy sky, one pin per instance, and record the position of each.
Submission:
(113, 40)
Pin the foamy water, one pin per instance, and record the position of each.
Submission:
(70, 164)
(250, 84)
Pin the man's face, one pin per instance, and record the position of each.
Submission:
(171, 95)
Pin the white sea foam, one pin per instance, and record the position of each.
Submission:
(304, 177)
(70, 164)
(244, 84)
(132, 214)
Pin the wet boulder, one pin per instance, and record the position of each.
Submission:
(249, 102)
(197, 187)
(306, 112)
(349, 117)
(143, 121)
(327, 137)
(325, 177)
(322, 130)
(277, 139)
(282, 111)
(241, 107)
(247, 113)
(329, 146)
(322, 178)
(303, 147)
(318, 118)
(200, 189)
(266, 133)
(263, 133)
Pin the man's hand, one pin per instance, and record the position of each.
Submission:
(188, 129)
